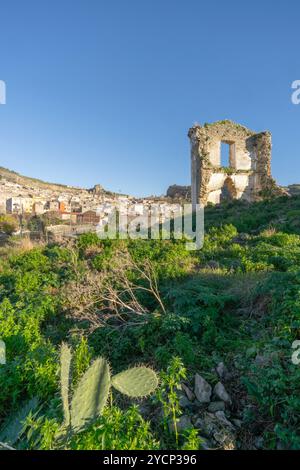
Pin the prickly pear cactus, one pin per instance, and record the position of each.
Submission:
(91, 394)
(13, 427)
(65, 379)
(136, 382)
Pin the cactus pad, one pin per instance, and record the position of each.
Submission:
(65, 378)
(136, 382)
(91, 394)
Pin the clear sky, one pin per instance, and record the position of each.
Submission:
(105, 91)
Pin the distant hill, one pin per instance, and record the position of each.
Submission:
(14, 177)
(293, 189)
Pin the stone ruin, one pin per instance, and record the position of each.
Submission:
(248, 174)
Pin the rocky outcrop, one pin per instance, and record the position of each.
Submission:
(179, 192)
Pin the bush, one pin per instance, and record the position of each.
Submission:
(8, 224)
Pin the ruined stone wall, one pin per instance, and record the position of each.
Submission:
(248, 175)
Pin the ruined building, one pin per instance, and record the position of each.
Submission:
(247, 175)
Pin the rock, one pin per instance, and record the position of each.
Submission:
(222, 418)
(220, 392)
(97, 189)
(227, 440)
(199, 423)
(218, 427)
(216, 406)
(183, 423)
(205, 444)
(210, 424)
(221, 370)
(194, 406)
(202, 389)
(259, 442)
(189, 393)
(176, 191)
(184, 402)
(237, 422)
(220, 437)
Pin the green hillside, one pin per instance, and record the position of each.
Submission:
(236, 302)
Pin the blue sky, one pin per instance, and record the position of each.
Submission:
(104, 92)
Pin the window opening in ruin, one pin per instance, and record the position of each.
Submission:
(227, 157)
(225, 154)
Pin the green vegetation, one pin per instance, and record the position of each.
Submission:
(8, 224)
(149, 306)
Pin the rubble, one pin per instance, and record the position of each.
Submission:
(202, 389)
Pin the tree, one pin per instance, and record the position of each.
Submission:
(35, 224)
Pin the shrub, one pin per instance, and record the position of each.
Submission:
(8, 224)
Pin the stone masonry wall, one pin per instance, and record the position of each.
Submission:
(248, 175)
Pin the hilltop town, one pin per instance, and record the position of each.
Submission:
(64, 206)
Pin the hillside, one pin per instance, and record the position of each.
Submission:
(217, 325)
(28, 185)
(16, 178)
